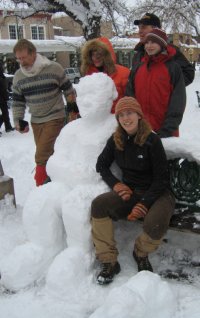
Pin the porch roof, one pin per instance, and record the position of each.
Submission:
(6, 46)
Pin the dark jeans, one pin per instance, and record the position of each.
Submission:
(4, 118)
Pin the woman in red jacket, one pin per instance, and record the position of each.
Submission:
(158, 85)
(98, 56)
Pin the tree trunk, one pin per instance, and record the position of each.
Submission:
(93, 29)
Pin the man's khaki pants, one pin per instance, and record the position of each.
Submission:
(45, 135)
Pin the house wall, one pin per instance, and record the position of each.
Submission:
(72, 28)
(63, 58)
(39, 20)
(188, 46)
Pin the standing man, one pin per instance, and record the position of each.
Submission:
(39, 84)
(146, 24)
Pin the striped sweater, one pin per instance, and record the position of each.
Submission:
(41, 91)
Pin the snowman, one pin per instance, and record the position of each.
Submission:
(56, 216)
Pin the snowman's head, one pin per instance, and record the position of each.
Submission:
(95, 95)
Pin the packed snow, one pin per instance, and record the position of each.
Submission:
(47, 259)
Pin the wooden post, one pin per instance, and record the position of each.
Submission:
(1, 169)
(6, 185)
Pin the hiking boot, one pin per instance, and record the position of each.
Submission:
(143, 263)
(107, 273)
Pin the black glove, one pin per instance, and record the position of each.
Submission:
(72, 107)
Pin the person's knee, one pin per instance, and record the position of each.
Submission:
(109, 204)
(97, 208)
(156, 222)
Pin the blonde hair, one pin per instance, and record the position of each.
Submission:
(86, 56)
(143, 131)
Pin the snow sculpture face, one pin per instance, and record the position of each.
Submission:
(95, 95)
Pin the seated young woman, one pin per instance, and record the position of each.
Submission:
(143, 191)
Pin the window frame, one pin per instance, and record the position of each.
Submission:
(38, 34)
(18, 35)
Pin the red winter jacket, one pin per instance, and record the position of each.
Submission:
(159, 87)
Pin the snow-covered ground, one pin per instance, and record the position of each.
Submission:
(66, 287)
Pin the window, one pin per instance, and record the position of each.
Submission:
(66, 33)
(37, 32)
(15, 31)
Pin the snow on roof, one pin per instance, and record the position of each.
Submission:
(197, 45)
(66, 43)
(124, 43)
(57, 27)
(58, 15)
(72, 43)
(117, 42)
(57, 45)
(75, 41)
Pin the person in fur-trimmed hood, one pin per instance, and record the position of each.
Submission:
(98, 56)
(39, 84)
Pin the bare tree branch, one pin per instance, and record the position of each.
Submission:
(176, 15)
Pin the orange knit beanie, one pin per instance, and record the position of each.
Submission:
(128, 103)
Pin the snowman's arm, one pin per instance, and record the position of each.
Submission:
(72, 108)
(104, 162)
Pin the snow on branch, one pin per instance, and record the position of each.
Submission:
(176, 15)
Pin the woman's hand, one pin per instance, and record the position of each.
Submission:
(123, 191)
(139, 211)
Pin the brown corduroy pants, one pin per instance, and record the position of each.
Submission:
(110, 206)
(45, 135)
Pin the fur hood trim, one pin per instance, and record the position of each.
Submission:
(100, 46)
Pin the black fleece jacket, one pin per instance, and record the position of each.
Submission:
(144, 168)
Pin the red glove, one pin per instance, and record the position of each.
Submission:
(123, 191)
(139, 211)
